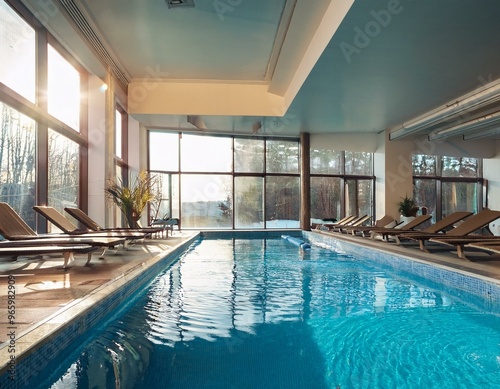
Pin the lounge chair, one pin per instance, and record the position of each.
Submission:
(41, 248)
(353, 223)
(461, 235)
(17, 233)
(92, 225)
(385, 221)
(385, 232)
(167, 222)
(329, 225)
(435, 228)
(492, 247)
(60, 221)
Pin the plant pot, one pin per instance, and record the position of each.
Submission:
(406, 219)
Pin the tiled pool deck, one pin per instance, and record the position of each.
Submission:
(48, 298)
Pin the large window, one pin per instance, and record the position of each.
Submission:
(42, 141)
(447, 184)
(342, 184)
(252, 182)
(18, 162)
(227, 182)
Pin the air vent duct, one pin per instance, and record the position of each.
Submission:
(81, 20)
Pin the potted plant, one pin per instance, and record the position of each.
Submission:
(407, 208)
(132, 200)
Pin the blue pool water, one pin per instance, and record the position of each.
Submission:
(260, 313)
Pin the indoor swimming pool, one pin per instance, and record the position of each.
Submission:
(261, 313)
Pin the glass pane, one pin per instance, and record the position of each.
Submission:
(424, 194)
(351, 207)
(359, 197)
(248, 155)
(164, 151)
(424, 165)
(459, 167)
(17, 50)
(64, 172)
(63, 86)
(325, 198)
(282, 156)
(118, 218)
(326, 162)
(365, 197)
(282, 202)
(248, 202)
(206, 201)
(118, 134)
(166, 203)
(459, 196)
(358, 163)
(17, 162)
(206, 154)
(159, 207)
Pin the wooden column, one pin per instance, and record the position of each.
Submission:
(305, 182)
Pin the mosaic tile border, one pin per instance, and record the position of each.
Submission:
(469, 288)
(57, 342)
(233, 234)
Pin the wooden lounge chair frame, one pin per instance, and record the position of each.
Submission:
(353, 223)
(435, 228)
(382, 222)
(461, 235)
(385, 232)
(461, 242)
(492, 247)
(92, 225)
(337, 223)
(38, 249)
(60, 221)
(19, 234)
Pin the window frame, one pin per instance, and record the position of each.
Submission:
(39, 113)
(439, 179)
(344, 178)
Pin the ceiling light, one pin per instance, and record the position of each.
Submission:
(476, 124)
(490, 93)
(179, 3)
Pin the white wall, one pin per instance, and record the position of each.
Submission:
(135, 146)
(398, 180)
(491, 172)
(97, 150)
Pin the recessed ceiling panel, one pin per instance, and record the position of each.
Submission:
(214, 40)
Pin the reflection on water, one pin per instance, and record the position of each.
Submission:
(255, 314)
